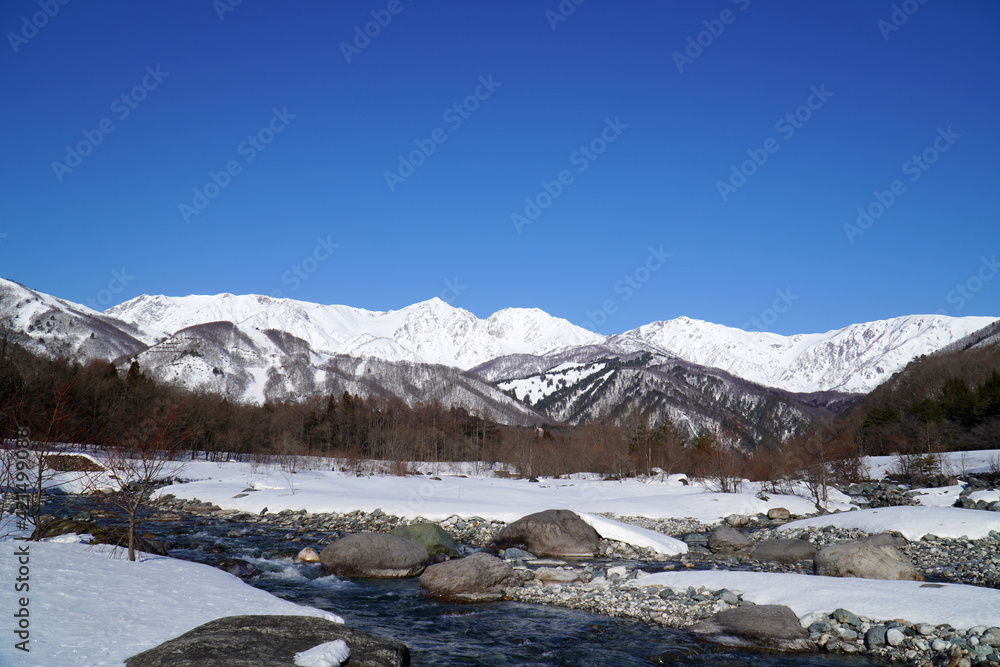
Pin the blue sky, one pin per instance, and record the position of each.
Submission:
(610, 163)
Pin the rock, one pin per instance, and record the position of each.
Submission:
(202, 508)
(52, 527)
(431, 536)
(374, 555)
(843, 616)
(551, 533)
(774, 627)
(784, 551)
(517, 554)
(238, 567)
(118, 536)
(267, 641)
(672, 657)
(726, 537)
(738, 520)
(558, 575)
(864, 559)
(476, 578)
(778, 514)
(885, 540)
(308, 555)
(875, 637)
(894, 637)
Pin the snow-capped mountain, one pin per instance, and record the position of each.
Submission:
(430, 332)
(854, 359)
(624, 378)
(521, 365)
(50, 326)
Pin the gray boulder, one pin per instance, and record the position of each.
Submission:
(725, 537)
(560, 533)
(476, 578)
(885, 540)
(784, 551)
(773, 627)
(864, 559)
(779, 514)
(267, 641)
(432, 536)
(374, 555)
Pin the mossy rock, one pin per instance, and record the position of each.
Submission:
(431, 536)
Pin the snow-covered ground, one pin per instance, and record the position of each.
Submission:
(91, 606)
(912, 522)
(959, 605)
(484, 496)
(88, 608)
(952, 463)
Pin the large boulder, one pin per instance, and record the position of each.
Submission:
(432, 536)
(267, 641)
(784, 551)
(560, 533)
(725, 537)
(476, 578)
(773, 627)
(864, 559)
(374, 555)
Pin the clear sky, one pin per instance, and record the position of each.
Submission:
(610, 163)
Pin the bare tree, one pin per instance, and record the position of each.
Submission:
(137, 460)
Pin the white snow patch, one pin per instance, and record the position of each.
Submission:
(91, 606)
(330, 654)
(610, 529)
(912, 522)
(957, 604)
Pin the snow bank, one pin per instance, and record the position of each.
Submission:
(91, 606)
(485, 496)
(912, 522)
(634, 535)
(952, 463)
(957, 604)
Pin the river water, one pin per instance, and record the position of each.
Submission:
(502, 633)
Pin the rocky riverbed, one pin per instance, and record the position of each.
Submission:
(606, 585)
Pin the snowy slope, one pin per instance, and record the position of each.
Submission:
(854, 359)
(53, 327)
(430, 332)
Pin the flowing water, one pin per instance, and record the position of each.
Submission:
(502, 633)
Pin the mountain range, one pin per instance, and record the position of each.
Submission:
(521, 365)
